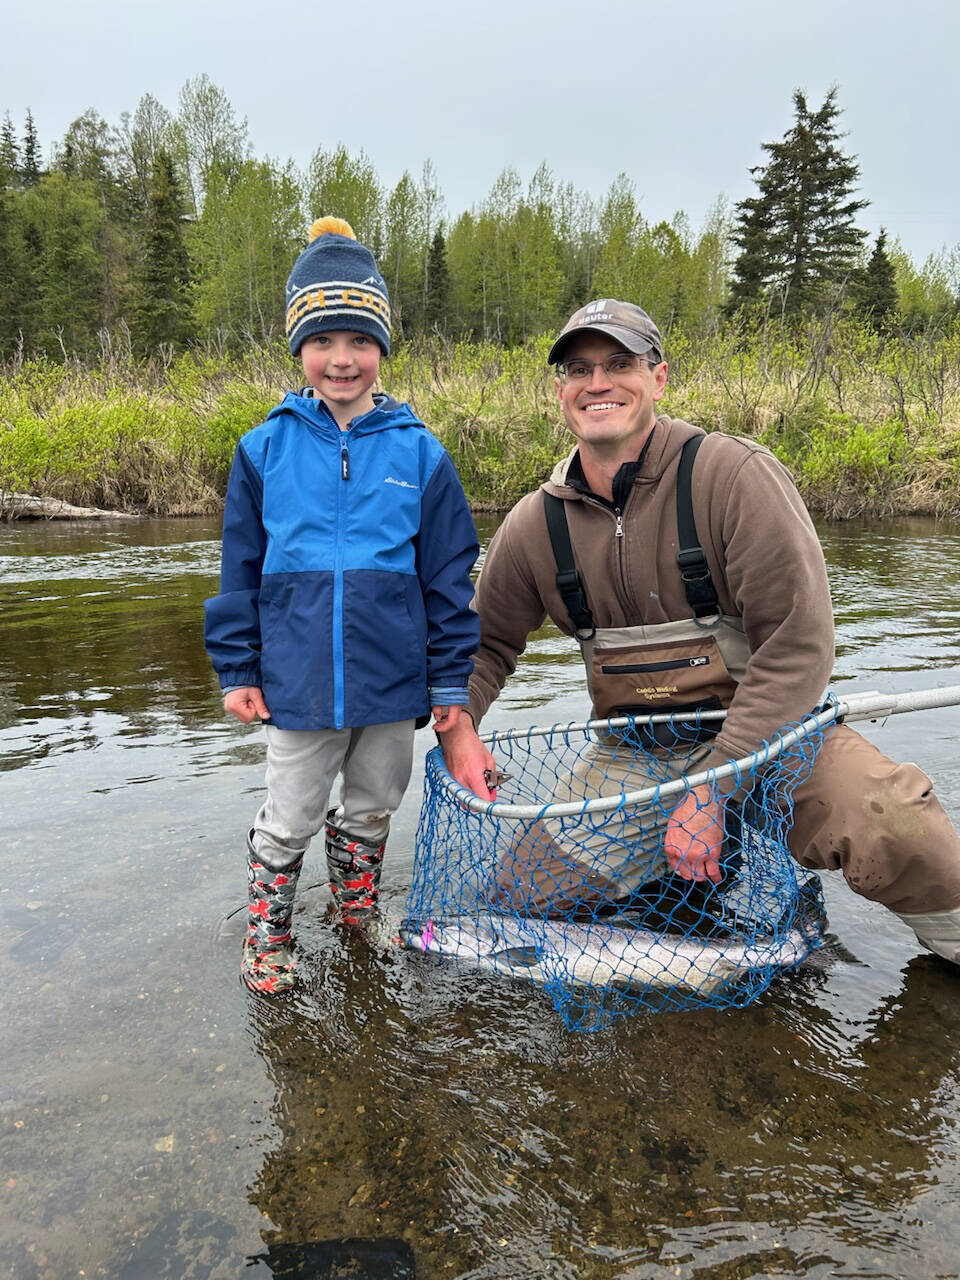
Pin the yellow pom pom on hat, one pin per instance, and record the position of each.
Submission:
(335, 284)
(334, 226)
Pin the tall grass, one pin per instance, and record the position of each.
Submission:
(869, 424)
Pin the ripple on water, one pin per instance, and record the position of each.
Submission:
(153, 1114)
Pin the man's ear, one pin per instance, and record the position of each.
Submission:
(660, 380)
(559, 385)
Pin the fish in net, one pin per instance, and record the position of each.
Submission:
(563, 880)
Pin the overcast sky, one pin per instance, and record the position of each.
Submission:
(679, 95)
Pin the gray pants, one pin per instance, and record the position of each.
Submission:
(375, 763)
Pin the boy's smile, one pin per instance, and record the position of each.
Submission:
(342, 368)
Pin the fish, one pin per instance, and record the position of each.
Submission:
(600, 954)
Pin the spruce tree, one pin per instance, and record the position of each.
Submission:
(797, 235)
(30, 167)
(876, 296)
(11, 274)
(9, 155)
(438, 286)
(163, 306)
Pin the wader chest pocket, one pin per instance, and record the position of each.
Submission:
(660, 677)
(634, 668)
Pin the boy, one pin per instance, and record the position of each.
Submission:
(344, 608)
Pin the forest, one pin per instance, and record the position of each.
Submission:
(142, 268)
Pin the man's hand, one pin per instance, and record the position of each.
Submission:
(466, 756)
(246, 704)
(693, 843)
(444, 718)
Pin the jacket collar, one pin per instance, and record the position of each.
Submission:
(661, 448)
(386, 412)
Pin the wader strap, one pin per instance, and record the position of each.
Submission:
(568, 579)
(697, 583)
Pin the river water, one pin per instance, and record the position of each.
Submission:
(395, 1118)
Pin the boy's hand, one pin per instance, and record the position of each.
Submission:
(444, 718)
(246, 704)
(469, 759)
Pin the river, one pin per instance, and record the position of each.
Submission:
(395, 1118)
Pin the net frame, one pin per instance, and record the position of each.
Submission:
(769, 905)
(597, 1006)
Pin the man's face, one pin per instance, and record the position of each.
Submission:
(610, 410)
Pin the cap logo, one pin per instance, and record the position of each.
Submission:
(594, 312)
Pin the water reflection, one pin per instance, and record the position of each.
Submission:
(154, 1121)
(451, 1112)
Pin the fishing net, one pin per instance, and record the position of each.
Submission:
(564, 880)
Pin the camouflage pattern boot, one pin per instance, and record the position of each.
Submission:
(354, 868)
(268, 965)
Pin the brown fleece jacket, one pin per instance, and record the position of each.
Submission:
(764, 557)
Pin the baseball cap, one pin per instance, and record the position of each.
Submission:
(625, 322)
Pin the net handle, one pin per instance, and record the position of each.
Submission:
(871, 705)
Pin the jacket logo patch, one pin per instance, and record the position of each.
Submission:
(404, 484)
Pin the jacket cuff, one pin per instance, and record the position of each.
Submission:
(448, 695)
(239, 678)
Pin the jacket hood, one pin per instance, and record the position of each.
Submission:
(386, 412)
(664, 447)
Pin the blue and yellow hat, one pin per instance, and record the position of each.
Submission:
(335, 284)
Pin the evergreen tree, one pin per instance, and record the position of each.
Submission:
(9, 155)
(797, 235)
(876, 290)
(30, 168)
(14, 272)
(438, 291)
(163, 305)
(63, 220)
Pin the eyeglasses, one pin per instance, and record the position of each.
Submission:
(618, 365)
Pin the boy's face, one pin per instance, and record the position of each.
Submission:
(342, 367)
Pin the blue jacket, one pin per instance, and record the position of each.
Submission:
(345, 579)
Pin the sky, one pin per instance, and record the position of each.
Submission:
(679, 96)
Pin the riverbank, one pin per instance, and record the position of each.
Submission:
(869, 425)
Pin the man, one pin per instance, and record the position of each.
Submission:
(748, 619)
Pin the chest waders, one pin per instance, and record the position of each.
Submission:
(685, 665)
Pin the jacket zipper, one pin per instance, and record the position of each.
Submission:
(617, 533)
(338, 673)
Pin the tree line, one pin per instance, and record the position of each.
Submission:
(167, 225)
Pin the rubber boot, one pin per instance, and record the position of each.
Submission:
(354, 865)
(268, 965)
(939, 931)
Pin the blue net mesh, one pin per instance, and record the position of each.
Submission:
(564, 881)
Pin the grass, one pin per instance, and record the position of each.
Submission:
(869, 424)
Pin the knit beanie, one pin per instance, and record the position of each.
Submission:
(335, 284)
